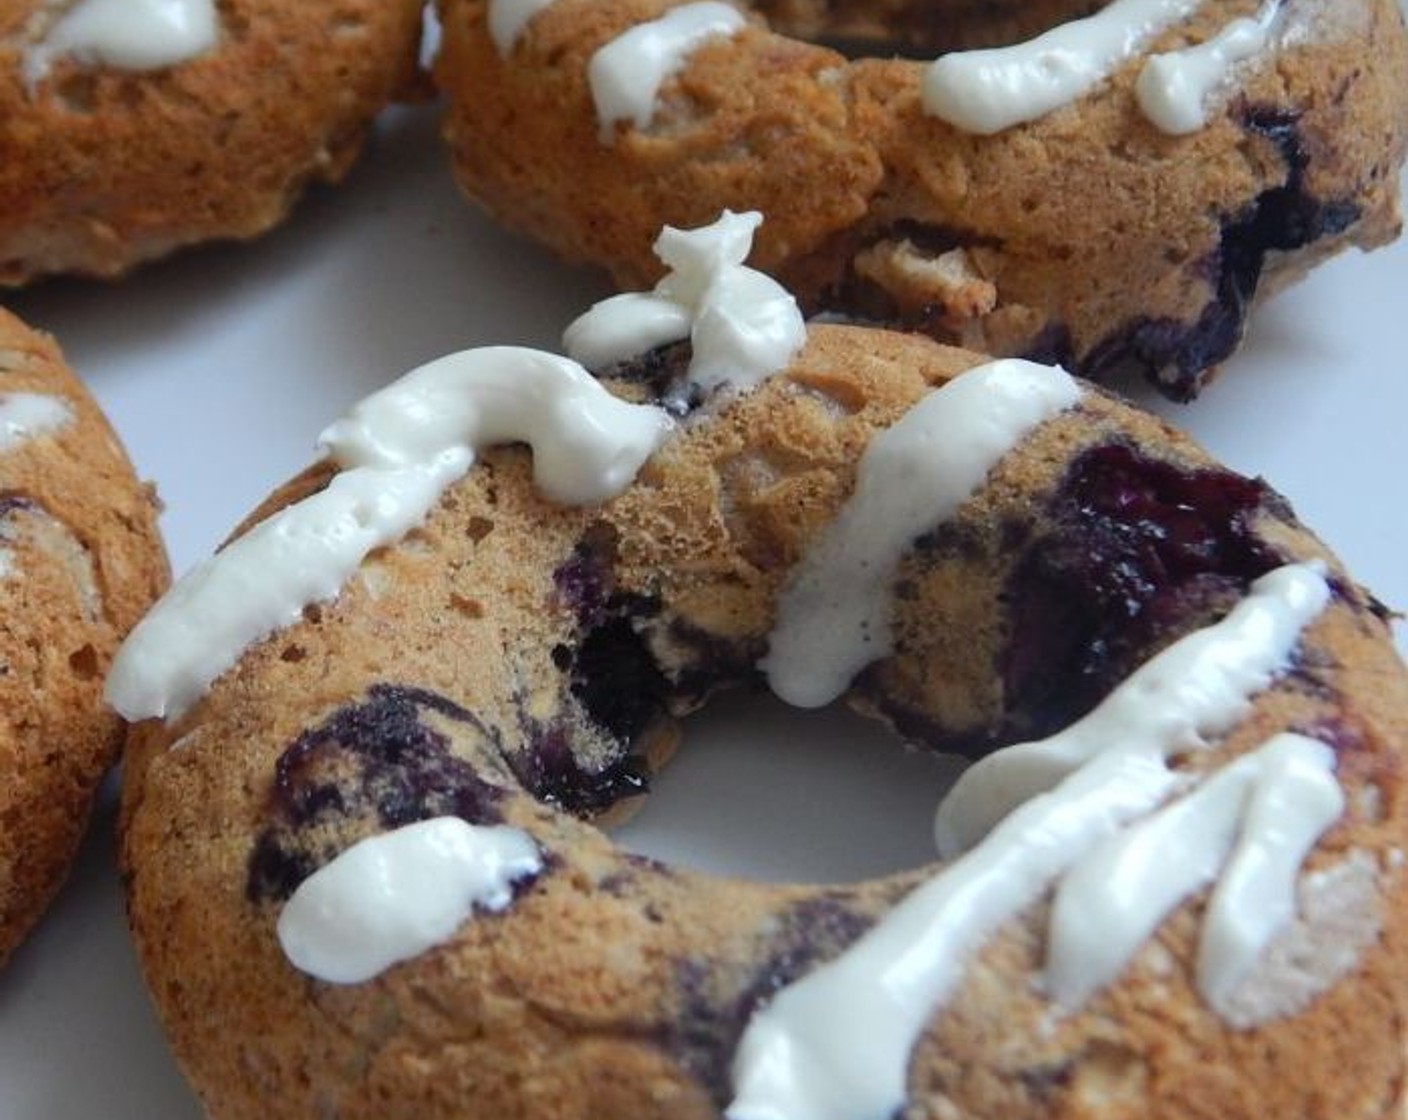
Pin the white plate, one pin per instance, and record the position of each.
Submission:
(220, 367)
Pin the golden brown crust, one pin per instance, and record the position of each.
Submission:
(614, 987)
(1106, 242)
(83, 561)
(101, 169)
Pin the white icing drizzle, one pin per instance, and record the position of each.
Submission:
(1174, 88)
(1340, 917)
(1252, 823)
(25, 415)
(400, 448)
(127, 34)
(391, 897)
(507, 20)
(626, 74)
(986, 91)
(833, 617)
(742, 324)
(836, 1044)
(1195, 689)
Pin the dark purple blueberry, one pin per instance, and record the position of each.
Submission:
(405, 769)
(1137, 552)
(610, 673)
(618, 687)
(276, 869)
(373, 759)
(663, 374)
(549, 769)
(616, 680)
(1174, 356)
(1045, 1082)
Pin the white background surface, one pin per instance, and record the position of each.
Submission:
(220, 367)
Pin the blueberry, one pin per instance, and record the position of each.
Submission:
(1135, 551)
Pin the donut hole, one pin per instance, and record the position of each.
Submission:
(768, 792)
(914, 29)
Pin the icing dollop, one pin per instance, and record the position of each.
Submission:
(742, 324)
(393, 896)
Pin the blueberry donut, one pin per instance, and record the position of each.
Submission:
(1113, 195)
(130, 129)
(80, 560)
(375, 729)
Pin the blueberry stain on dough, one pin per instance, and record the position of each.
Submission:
(583, 581)
(710, 663)
(1134, 553)
(616, 679)
(662, 374)
(587, 766)
(376, 759)
(610, 673)
(611, 670)
(715, 1009)
(549, 768)
(1174, 355)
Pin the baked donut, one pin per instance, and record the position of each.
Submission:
(130, 129)
(373, 729)
(1021, 202)
(80, 560)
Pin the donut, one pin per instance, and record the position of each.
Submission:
(80, 561)
(374, 737)
(131, 129)
(1113, 195)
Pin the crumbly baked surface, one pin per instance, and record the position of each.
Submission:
(101, 168)
(82, 561)
(1088, 236)
(515, 661)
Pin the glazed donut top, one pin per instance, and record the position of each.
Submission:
(1097, 813)
(980, 91)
